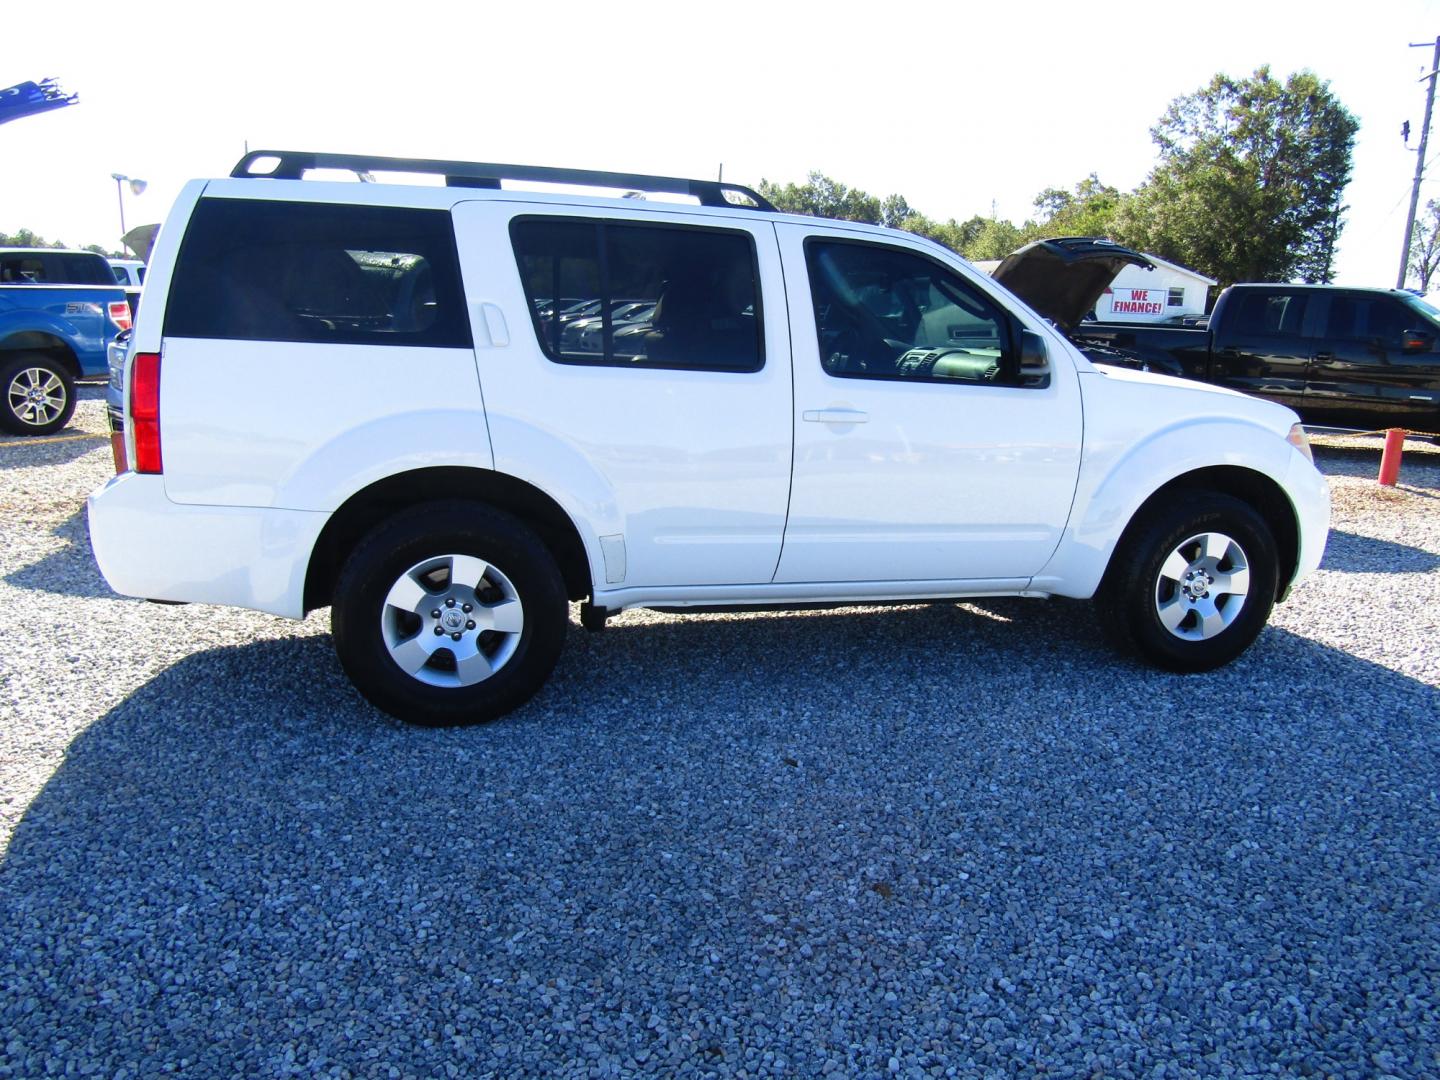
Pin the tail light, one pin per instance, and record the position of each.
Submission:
(145, 411)
(120, 313)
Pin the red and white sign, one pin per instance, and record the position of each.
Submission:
(1135, 301)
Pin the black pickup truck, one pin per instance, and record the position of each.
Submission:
(1339, 356)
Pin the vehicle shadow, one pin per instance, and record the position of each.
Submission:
(1352, 553)
(69, 570)
(32, 452)
(701, 823)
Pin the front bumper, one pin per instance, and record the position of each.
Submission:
(150, 547)
(1310, 495)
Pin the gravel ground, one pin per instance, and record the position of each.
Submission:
(930, 840)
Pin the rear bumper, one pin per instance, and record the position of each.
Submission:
(150, 547)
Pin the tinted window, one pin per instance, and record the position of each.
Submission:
(883, 313)
(1270, 314)
(1368, 318)
(286, 271)
(36, 268)
(646, 295)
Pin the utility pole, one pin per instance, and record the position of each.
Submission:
(1419, 160)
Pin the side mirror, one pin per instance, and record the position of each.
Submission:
(1034, 360)
(1417, 341)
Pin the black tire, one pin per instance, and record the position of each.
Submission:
(30, 384)
(369, 632)
(1137, 587)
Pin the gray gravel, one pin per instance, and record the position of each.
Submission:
(930, 840)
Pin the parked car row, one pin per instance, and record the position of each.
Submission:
(59, 311)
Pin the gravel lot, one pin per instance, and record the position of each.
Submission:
(931, 840)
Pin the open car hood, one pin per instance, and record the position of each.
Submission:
(1063, 279)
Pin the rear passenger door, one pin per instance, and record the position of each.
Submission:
(671, 438)
(1265, 342)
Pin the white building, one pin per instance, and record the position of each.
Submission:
(1140, 295)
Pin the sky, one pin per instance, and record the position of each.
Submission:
(962, 108)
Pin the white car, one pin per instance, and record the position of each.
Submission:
(128, 272)
(823, 411)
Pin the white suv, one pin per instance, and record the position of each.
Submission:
(362, 395)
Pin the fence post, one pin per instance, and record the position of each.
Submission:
(1390, 458)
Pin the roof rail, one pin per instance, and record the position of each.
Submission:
(293, 164)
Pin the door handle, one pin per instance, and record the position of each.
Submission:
(835, 416)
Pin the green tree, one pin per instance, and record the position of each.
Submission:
(821, 196)
(1087, 210)
(1250, 180)
(996, 238)
(1425, 246)
(25, 238)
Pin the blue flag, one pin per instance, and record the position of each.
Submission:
(28, 98)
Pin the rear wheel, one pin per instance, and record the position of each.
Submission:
(1192, 583)
(449, 613)
(39, 395)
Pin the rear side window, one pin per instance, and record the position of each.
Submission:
(662, 296)
(252, 270)
(1270, 314)
(60, 268)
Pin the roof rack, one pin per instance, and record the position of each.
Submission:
(293, 164)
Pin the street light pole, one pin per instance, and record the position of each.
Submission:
(137, 186)
(1419, 163)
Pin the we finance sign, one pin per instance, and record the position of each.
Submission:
(1136, 301)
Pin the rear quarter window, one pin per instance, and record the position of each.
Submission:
(255, 270)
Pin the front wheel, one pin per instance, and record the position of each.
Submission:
(449, 613)
(39, 395)
(1192, 582)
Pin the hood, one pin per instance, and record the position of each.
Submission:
(1063, 279)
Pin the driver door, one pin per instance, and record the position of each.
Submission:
(915, 460)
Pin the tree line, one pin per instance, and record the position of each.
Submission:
(24, 238)
(1248, 187)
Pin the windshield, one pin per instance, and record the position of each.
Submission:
(1429, 310)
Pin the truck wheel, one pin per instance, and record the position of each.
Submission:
(1192, 582)
(449, 613)
(39, 395)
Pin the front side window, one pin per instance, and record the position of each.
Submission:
(1355, 317)
(254, 270)
(884, 313)
(663, 296)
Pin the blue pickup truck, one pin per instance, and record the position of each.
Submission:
(58, 312)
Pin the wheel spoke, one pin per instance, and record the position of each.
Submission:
(1175, 566)
(1236, 583)
(1217, 545)
(411, 655)
(467, 570)
(471, 665)
(507, 617)
(1211, 620)
(1173, 613)
(407, 594)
